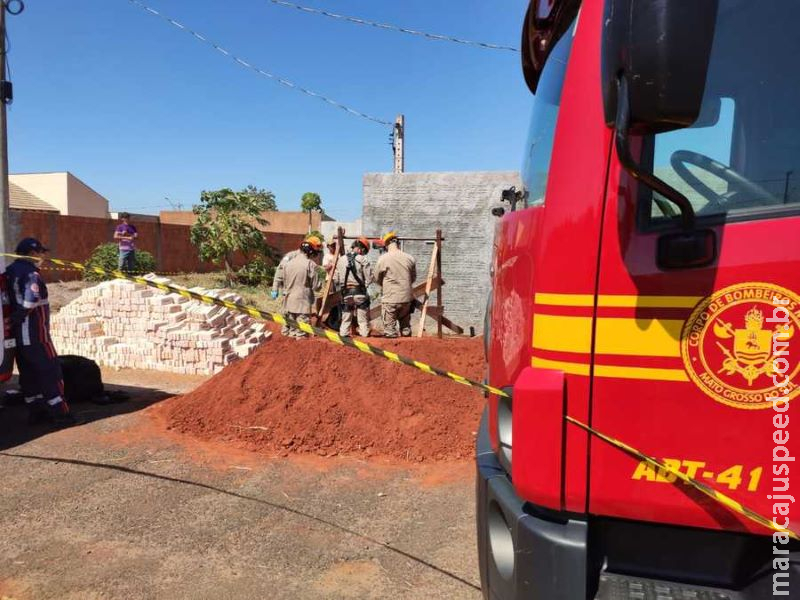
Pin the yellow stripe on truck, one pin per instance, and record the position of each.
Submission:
(639, 337)
(622, 301)
(618, 372)
(640, 373)
(622, 336)
(560, 365)
(565, 299)
(618, 300)
(562, 334)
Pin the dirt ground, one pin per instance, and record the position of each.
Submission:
(62, 293)
(119, 507)
(321, 398)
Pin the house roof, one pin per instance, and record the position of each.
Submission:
(23, 200)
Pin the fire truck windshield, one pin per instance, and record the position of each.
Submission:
(546, 104)
(742, 156)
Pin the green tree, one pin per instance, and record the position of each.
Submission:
(309, 203)
(261, 195)
(227, 223)
(106, 256)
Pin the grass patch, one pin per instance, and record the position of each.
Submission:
(257, 296)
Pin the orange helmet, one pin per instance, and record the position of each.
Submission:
(363, 242)
(311, 245)
(390, 237)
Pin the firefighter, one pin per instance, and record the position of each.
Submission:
(39, 370)
(327, 261)
(395, 273)
(298, 279)
(279, 272)
(279, 269)
(353, 276)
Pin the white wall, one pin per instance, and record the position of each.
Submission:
(50, 187)
(65, 192)
(83, 201)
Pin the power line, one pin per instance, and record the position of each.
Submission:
(247, 65)
(356, 20)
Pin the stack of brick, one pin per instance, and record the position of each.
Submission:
(126, 325)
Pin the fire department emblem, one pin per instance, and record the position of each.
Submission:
(739, 345)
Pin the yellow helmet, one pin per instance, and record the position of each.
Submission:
(389, 237)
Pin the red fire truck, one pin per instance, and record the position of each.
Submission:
(646, 283)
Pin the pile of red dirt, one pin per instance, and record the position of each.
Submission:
(312, 396)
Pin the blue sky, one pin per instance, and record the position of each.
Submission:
(142, 111)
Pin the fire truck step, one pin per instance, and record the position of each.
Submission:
(621, 587)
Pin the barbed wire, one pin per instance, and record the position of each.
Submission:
(247, 65)
(387, 26)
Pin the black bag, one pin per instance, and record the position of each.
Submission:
(83, 381)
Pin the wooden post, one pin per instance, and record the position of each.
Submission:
(428, 283)
(329, 282)
(439, 305)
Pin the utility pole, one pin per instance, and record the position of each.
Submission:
(398, 143)
(5, 97)
(13, 7)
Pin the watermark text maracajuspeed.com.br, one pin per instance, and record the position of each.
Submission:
(781, 457)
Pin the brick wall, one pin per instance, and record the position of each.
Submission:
(74, 238)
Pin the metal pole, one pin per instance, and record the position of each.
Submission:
(4, 194)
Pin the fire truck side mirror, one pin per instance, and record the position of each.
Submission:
(662, 49)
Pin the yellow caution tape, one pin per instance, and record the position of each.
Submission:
(281, 320)
(728, 502)
(73, 269)
(720, 498)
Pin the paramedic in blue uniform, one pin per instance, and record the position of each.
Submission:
(39, 369)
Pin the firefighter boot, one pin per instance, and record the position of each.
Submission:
(59, 414)
(37, 410)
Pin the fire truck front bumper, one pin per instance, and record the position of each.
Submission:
(521, 555)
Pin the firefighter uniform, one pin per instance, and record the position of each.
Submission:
(395, 273)
(352, 277)
(298, 279)
(37, 361)
(281, 266)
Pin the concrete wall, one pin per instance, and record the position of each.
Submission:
(351, 228)
(83, 201)
(458, 203)
(65, 192)
(135, 217)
